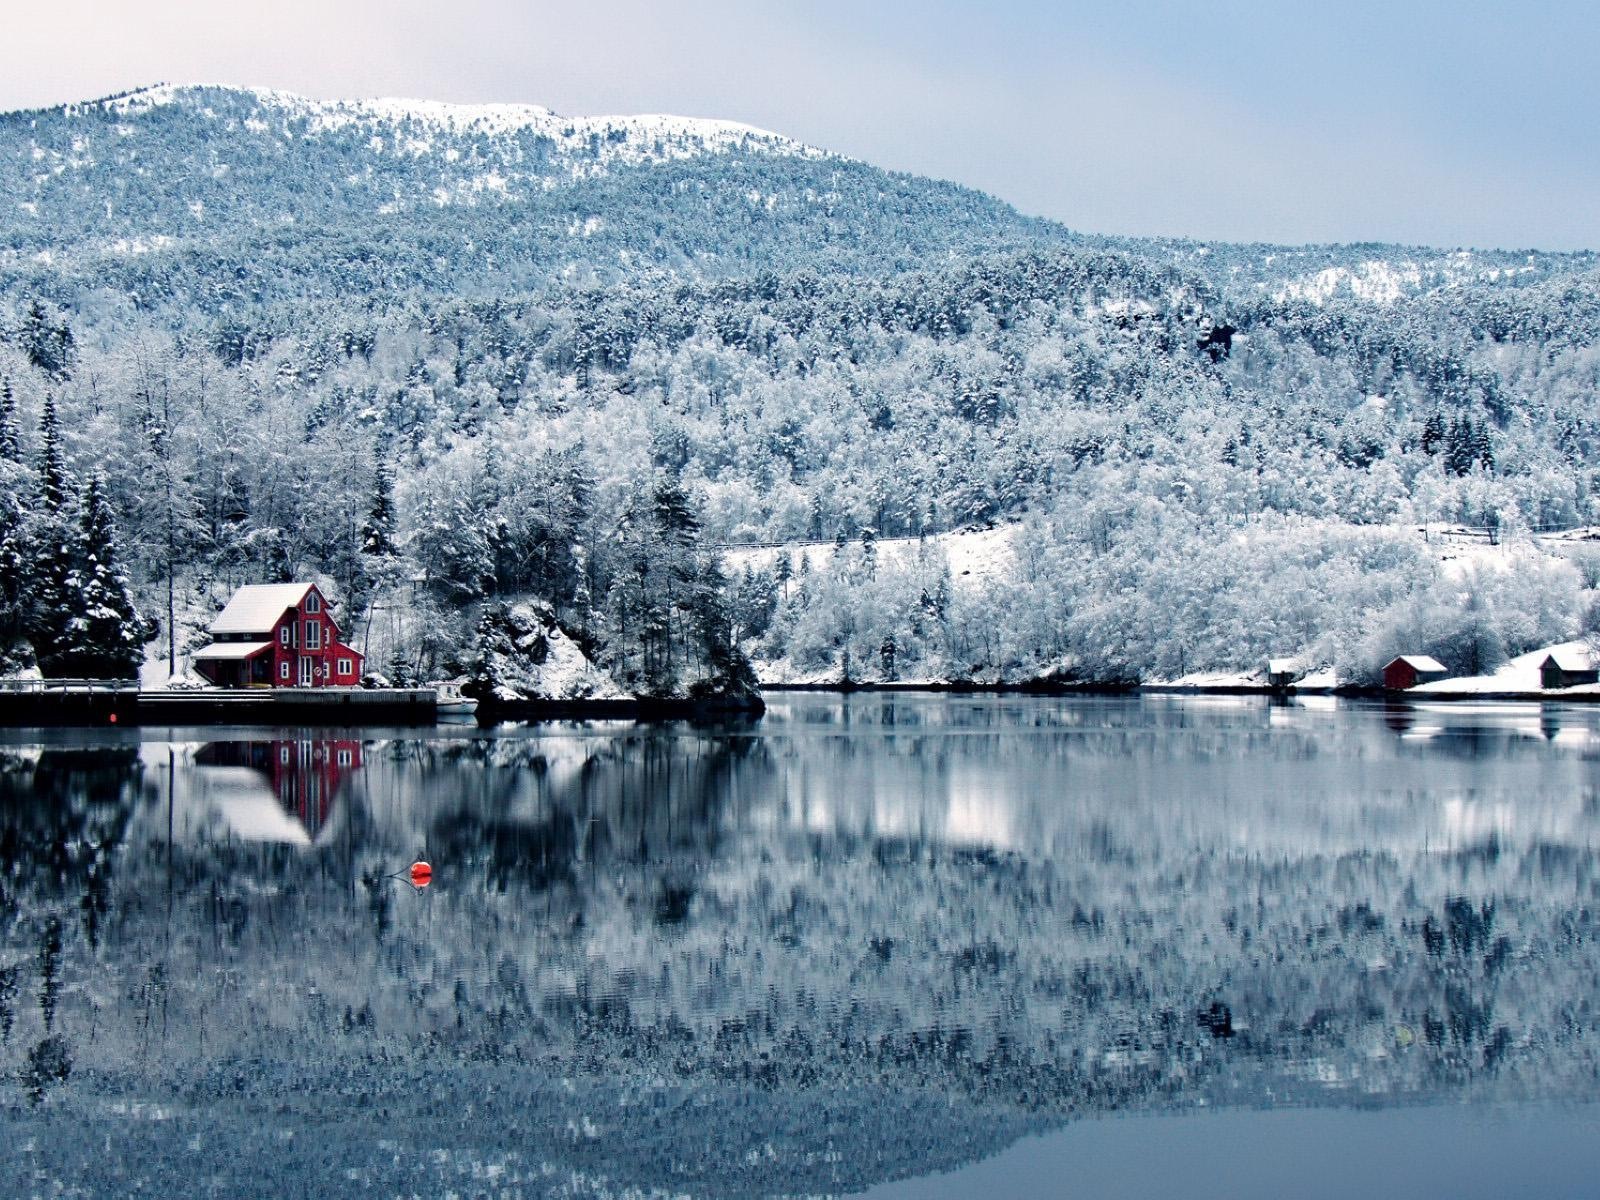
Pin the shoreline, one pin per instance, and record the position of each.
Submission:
(1586, 695)
(630, 709)
(112, 707)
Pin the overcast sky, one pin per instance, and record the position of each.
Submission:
(1447, 122)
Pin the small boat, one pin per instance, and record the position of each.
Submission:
(450, 703)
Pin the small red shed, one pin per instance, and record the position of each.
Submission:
(1411, 669)
(278, 635)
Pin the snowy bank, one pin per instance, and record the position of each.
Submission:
(523, 654)
(1519, 676)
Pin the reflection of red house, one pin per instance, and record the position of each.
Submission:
(305, 776)
(278, 635)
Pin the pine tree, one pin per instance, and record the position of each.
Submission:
(105, 633)
(1433, 432)
(377, 531)
(10, 437)
(1482, 446)
(53, 483)
(674, 513)
(49, 346)
(14, 583)
(451, 548)
(52, 548)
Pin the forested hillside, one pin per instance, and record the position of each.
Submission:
(443, 356)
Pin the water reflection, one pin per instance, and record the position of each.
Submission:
(869, 937)
(280, 791)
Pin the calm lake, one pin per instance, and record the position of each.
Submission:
(908, 945)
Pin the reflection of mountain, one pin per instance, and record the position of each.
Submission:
(881, 933)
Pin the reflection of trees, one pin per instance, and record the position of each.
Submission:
(61, 819)
(527, 855)
(647, 906)
(636, 800)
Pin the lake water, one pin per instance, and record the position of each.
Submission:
(913, 945)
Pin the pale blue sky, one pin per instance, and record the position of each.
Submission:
(1450, 122)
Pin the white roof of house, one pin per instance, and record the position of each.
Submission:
(229, 650)
(1282, 666)
(1420, 662)
(1570, 660)
(256, 607)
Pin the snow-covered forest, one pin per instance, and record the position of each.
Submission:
(445, 357)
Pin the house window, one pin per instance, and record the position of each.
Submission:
(313, 603)
(283, 635)
(313, 635)
(345, 666)
(283, 670)
(345, 758)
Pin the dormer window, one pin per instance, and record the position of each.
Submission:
(313, 602)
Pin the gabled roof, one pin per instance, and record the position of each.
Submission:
(1421, 662)
(230, 650)
(256, 607)
(1569, 660)
(1282, 666)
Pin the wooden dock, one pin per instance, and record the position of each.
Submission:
(28, 703)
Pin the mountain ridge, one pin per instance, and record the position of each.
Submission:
(164, 167)
(773, 346)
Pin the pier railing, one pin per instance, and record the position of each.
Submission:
(87, 686)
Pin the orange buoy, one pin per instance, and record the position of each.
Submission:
(421, 874)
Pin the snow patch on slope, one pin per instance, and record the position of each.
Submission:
(407, 128)
(1385, 281)
(524, 654)
(975, 556)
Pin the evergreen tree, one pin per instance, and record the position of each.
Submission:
(10, 436)
(105, 633)
(1482, 446)
(377, 531)
(674, 513)
(53, 484)
(14, 583)
(452, 550)
(53, 550)
(1433, 432)
(48, 345)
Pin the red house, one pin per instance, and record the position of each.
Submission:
(1411, 669)
(278, 635)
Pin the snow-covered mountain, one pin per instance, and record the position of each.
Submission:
(562, 332)
(454, 153)
(169, 187)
